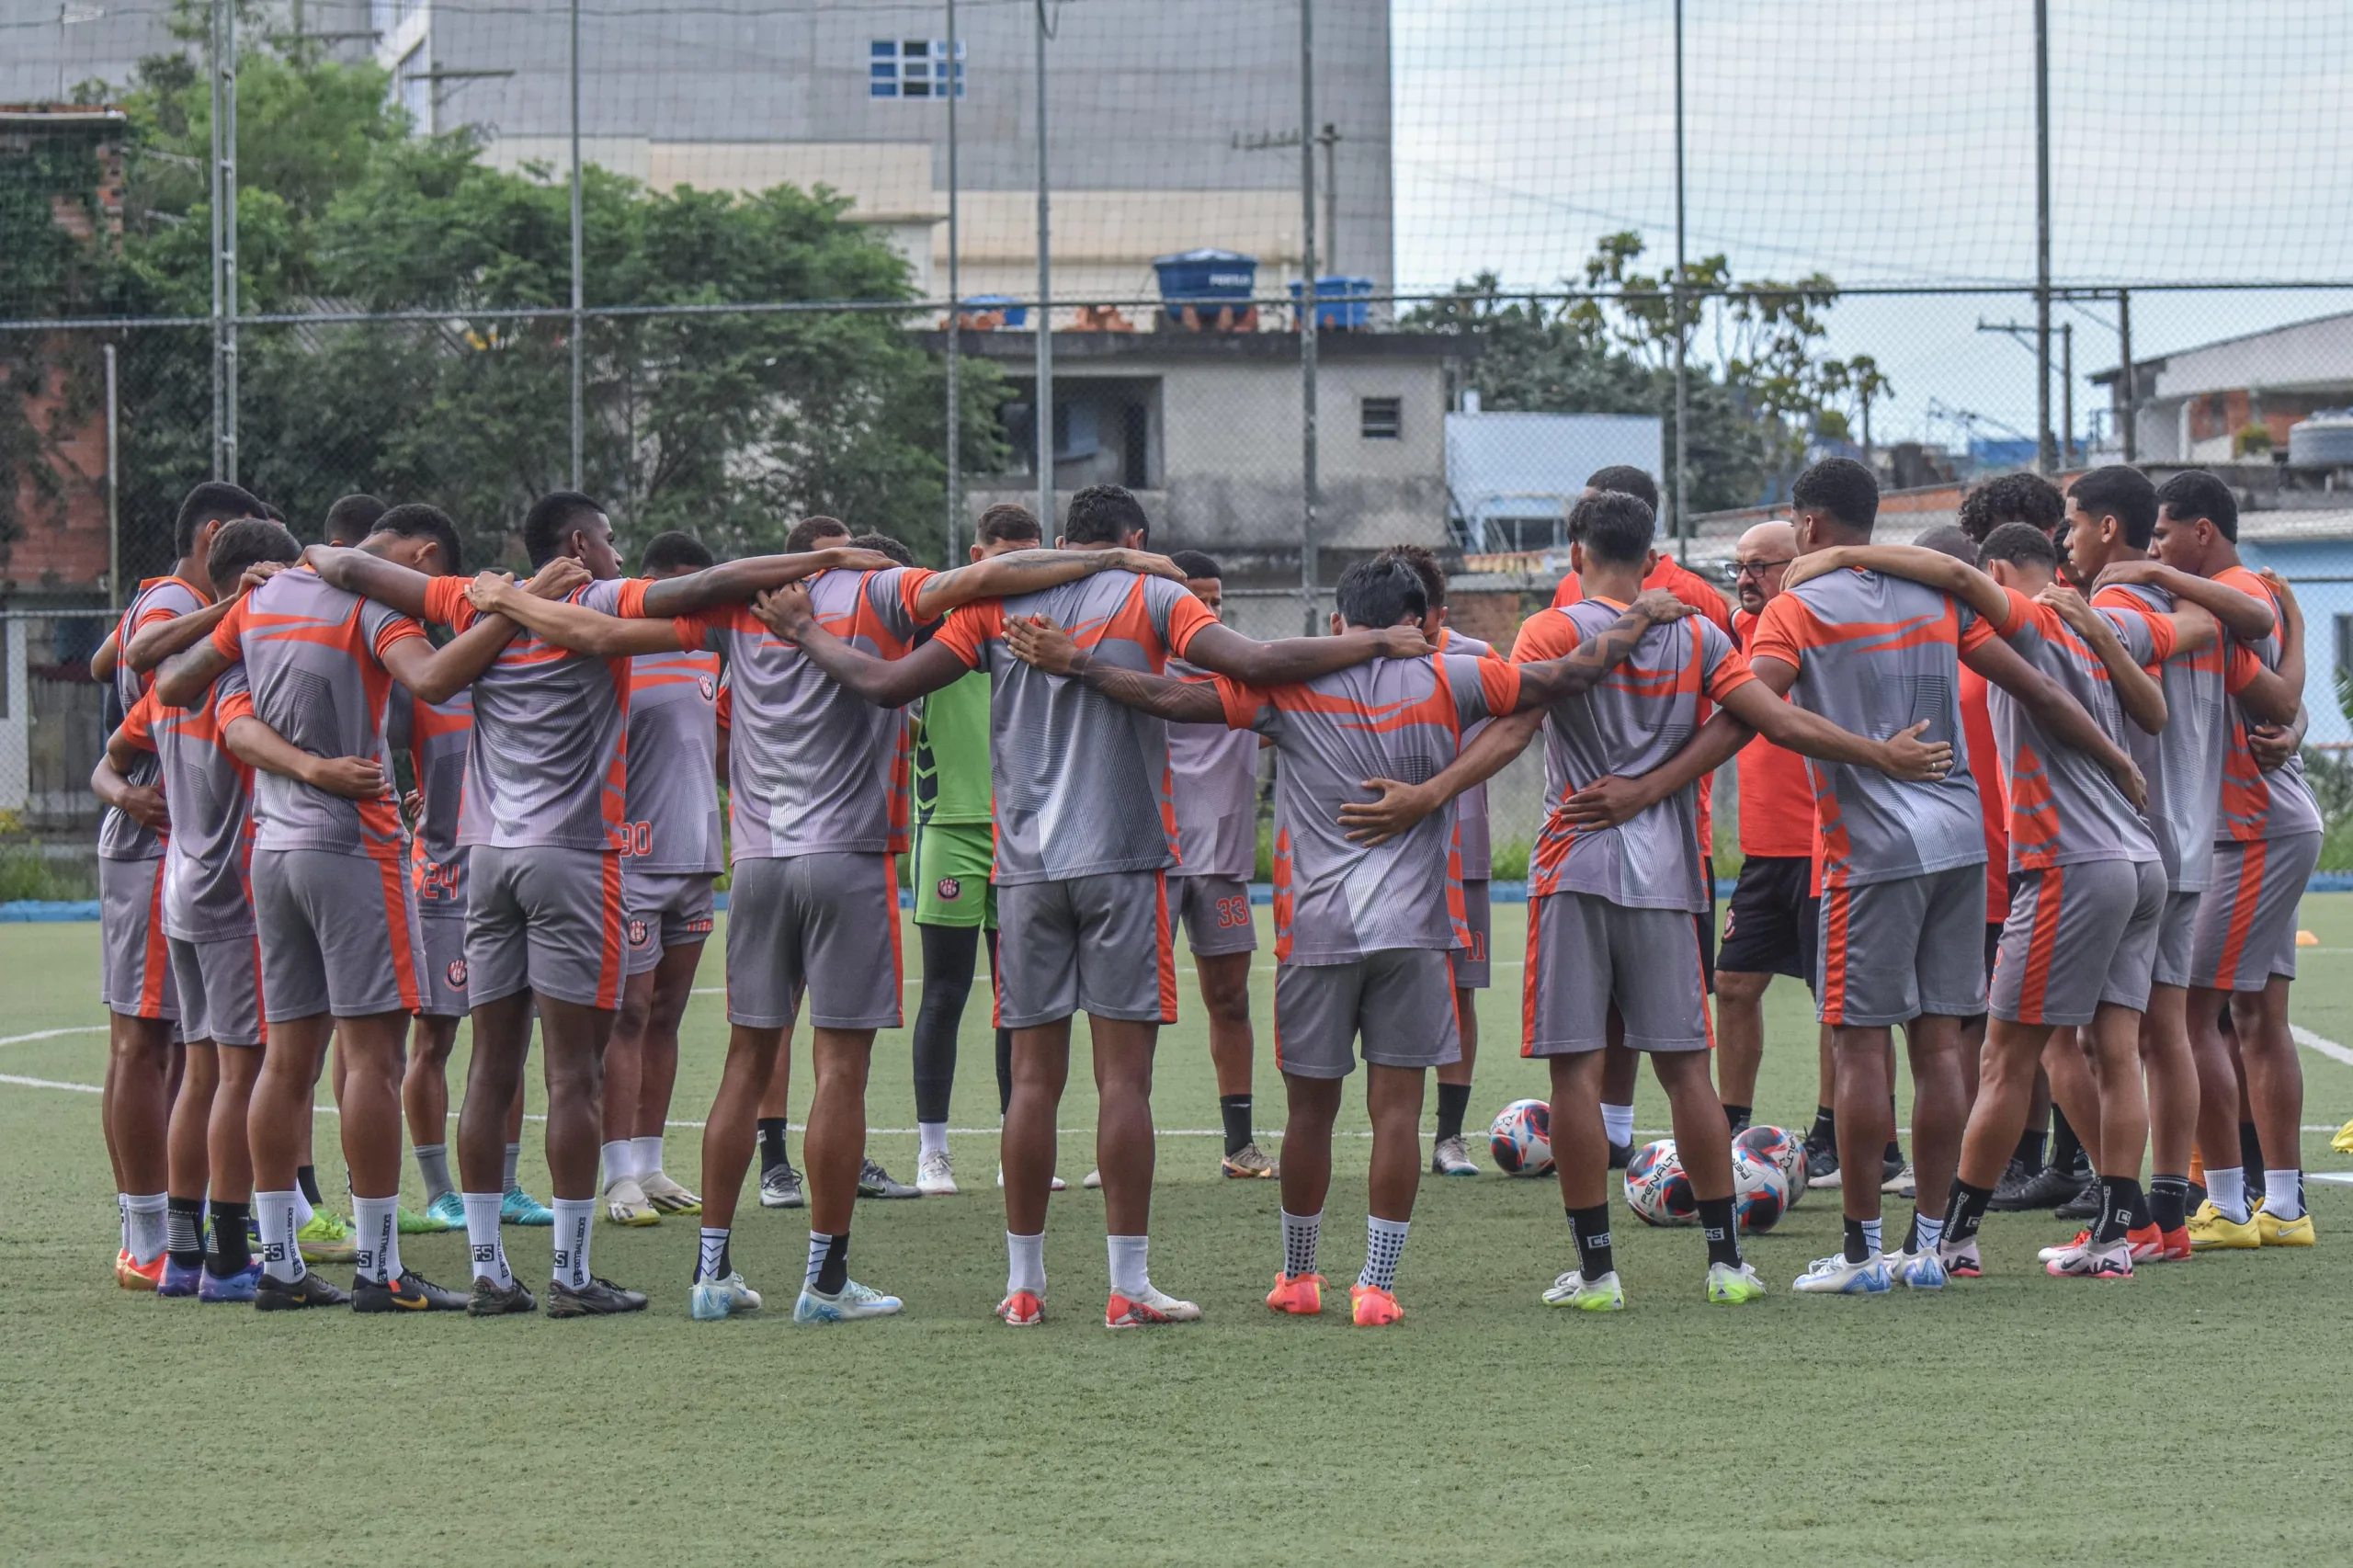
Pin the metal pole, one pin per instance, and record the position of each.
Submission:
(1682, 382)
(2042, 444)
(212, 52)
(1042, 414)
(114, 483)
(1329, 137)
(579, 321)
(230, 285)
(2130, 420)
(1311, 309)
(2067, 394)
(955, 301)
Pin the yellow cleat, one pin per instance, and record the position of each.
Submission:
(2343, 1141)
(2295, 1232)
(2212, 1230)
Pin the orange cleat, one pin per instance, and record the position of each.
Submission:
(1023, 1308)
(2151, 1244)
(1373, 1307)
(1149, 1308)
(135, 1276)
(1299, 1294)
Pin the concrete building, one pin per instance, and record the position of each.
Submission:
(2194, 405)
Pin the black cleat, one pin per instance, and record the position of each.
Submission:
(2045, 1188)
(873, 1181)
(2085, 1205)
(489, 1302)
(2017, 1177)
(412, 1292)
(274, 1295)
(1820, 1164)
(1621, 1156)
(597, 1299)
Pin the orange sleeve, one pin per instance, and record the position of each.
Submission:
(138, 724)
(446, 601)
(236, 706)
(399, 629)
(1784, 631)
(2240, 670)
(693, 632)
(1186, 617)
(911, 584)
(1699, 593)
(1499, 683)
(1570, 592)
(1731, 672)
(1242, 702)
(229, 631)
(970, 627)
(1545, 635)
(631, 602)
(2163, 635)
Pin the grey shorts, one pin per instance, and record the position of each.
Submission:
(2176, 939)
(1099, 943)
(220, 989)
(1891, 952)
(444, 980)
(2079, 935)
(134, 965)
(1586, 955)
(1473, 965)
(1215, 912)
(661, 910)
(2246, 923)
(544, 919)
(1400, 1002)
(828, 924)
(338, 935)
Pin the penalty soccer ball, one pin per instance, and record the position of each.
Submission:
(1657, 1191)
(1776, 1146)
(1760, 1193)
(1521, 1139)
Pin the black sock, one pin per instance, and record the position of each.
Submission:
(1825, 1128)
(1235, 1112)
(1589, 1227)
(2029, 1149)
(1453, 1099)
(834, 1273)
(2137, 1217)
(1004, 1039)
(1964, 1210)
(307, 1178)
(2250, 1147)
(183, 1230)
(1737, 1116)
(1716, 1223)
(2169, 1201)
(230, 1254)
(2116, 1196)
(1893, 1153)
(772, 1149)
(1858, 1250)
(947, 954)
(2066, 1149)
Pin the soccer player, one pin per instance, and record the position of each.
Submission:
(336, 917)
(2019, 497)
(1083, 837)
(2243, 949)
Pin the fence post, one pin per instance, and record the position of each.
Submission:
(579, 321)
(1682, 384)
(1042, 410)
(114, 483)
(1310, 310)
(955, 305)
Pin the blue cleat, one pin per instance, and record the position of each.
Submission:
(179, 1279)
(238, 1287)
(519, 1209)
(853, 1301)
(450, 1210)
(1833, 1275)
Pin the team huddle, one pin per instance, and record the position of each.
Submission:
(357, 795)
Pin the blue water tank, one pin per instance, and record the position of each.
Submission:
(1341, 302)
(981, 304)
(1206, 278)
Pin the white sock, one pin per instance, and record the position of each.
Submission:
(2226, 1189)
(931, 1138)
(483, 1240)
(1618, 1121)
(1872, 1233)
(433, 1164)
(513, 1163)
(145, 1225)
(303, 1213)
(1926, 1230)
(2283, 1194)
(280, 1258)
(123, 1220)
(572, 1225)
(712, 1262)
(1131, 1272)
(1025, 1264)
(1384, 1242)
(620, 1160)
(1300, 1235)
(648, 1154)
(379, 1236)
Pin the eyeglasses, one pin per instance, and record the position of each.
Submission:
(1740, 569)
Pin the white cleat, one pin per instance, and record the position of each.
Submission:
(935, 1175)
(1602, 1294)
(1148, 1308)
(1094, 1181)
(1919, 1270)
(2093, 1260)
(852, 1302)
(1057, 1185)
(717, 1299)
(1833, 1275)
(1450, 1157)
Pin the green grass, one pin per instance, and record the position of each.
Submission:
(2195, 1416)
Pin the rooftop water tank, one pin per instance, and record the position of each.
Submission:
(1342, 302)
(2324, 440)
(1206, 279)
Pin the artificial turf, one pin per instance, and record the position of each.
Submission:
(2193, 1414)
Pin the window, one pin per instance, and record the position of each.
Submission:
(1380, 418)
(912, 68)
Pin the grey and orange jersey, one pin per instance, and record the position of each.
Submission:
(1213, 779)
(210, 796)
(2254, 804)
(1081, 782)
(811, 767)
(313, 658)
(1471, 831)
(1876, 655)
(548, 765)
(1336, 900)
(122, 836)
(2183, 761)
(436, 736)
(2064, 809)
(673, 799)
(1632, 721)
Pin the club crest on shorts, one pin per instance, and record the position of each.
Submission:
(709, 688)
(456, 974)
(637, 932)
(950, 890)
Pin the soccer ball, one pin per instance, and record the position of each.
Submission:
(1657, 1191)
(1760, 1194)
(1521, 1139)
(1778, 1147)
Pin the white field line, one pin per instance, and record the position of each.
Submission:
(2328, 1048)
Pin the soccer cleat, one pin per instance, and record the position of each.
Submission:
(272, 1294)
(449, 1211)
(1833, 1275)
(1451, 1157)
(1733, 1285)
(328, 1238)
(2093, 1260)
(240, 1286)
(1821, 1165)
(1249, 1163)
(1369, 1306)
(1900, 1182)
(626, 1204)
(133, 1274)
(519, 1207)
(848, 1304)
(1961, 1261)
(429, 1224)
(1301, 1295)
(2148, 1244)
(667, 1197)
(2085, 1205)
(1621, 1155)
(411, 1292)
(597, 1299)
(1022, 1309)
(2078, 1241)
(1056, 1185)
(1573, 1290)
(179, 1279)
(873, 1181)
(489, 1301)
(2343, 1141)
(2021, 1191)
(781, 1188)
(718, 1299)
(935, 1174)
(2174, 1246)
(1919, 1270)
(1148, 1308)
(1092, 1180)
(2277, 1232)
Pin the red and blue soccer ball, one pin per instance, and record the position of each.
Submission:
(1657, 1191)
(1781, 1148)
(1521, 1139)
(1760, 1193)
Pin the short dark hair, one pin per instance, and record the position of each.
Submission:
(1194, 564)
(414, 519)
(2124, 492)
(883, 544)
(2021, 544)
(239, 545)
(213, 501)
(1613, 527)
(2193, 493)
(352, 518)
(1380, 592)
(668, 552)
(1104, 513)
(1947, 540)
(552, 517)
(1624, 479)
(1006, 522)
(1424, 561)
(1842, 487)
(804, 534)
(2011, 498)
